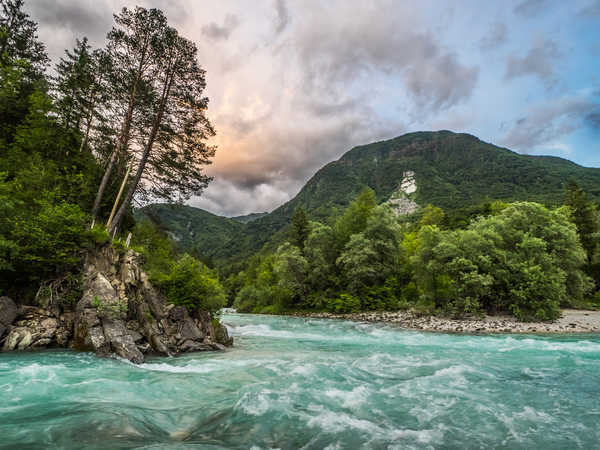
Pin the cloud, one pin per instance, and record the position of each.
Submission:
(221, 32)
(352, 50)
(539, 61)
(591, 10)
(548, 121)
(530, 8)
(593, 119)
(294, 85)
(283, 15)
(496, 37)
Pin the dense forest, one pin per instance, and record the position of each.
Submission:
(84, 142)
(521, 258)
(81, 141)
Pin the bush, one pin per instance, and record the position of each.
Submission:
(51, 241)
(191, 284)
(526, 260)
(346, 303)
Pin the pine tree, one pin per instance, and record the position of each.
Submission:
(132, 47)
(299, 230)
(585, 216)
(18, 39)
(22, 64)
(174, 152)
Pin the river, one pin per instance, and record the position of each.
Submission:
(305, 383)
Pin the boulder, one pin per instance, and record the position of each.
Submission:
(8, 313)
(222, 336)
(121, 341)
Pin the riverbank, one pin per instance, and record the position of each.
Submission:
(571, 321)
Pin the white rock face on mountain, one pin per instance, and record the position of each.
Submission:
(400, 201)
(408, 185)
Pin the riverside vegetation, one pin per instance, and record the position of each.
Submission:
(509, 234)
(522, 258)
(67, 144)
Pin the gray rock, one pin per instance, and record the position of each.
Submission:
(8, 313)
(217, 346)
(194, 346)
(121, 341)
(135, 336)
(189, 330)
(222, 336)
(13, 339)
(177, 313)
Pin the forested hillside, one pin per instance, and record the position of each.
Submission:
(110, 126)
(456, 172)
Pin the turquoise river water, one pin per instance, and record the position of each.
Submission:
(294, 383)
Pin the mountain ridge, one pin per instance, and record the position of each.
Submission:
(451, 170)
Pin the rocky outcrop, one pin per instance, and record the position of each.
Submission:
(39, 328)
(8, 313)
(120, 313)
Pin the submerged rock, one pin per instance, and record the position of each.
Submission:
(119, 313)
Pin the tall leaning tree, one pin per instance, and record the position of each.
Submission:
(171, 161)
(133, 49)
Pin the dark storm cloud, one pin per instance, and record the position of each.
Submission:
(78, 17)
(283, 15)
(539, 61)
(530, 8)
(497, 36)
(218, 32)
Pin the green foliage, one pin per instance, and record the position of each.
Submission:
(299, 229)
(586, 217)
(346, 303)
(373, 255)
(51, 240)
(183, 280)
(526, 260)
(355, 217)
(432, 215)
(191, 284)
(520, 258)
(292, 269)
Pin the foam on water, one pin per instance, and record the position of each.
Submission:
(309, 383)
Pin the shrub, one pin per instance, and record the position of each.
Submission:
(191, 284)
(346, 303)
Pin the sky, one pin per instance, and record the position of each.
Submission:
(294, 84)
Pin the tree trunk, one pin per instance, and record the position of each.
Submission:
(90, 118)
(140, 171)
(123, 137)
(121, 141)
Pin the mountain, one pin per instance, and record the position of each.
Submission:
(249, 217)
(443, 168)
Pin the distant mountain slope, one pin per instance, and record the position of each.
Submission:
(195, 230)
(450, 170)
(249, 217)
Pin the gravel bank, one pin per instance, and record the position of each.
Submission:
(571, 321)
